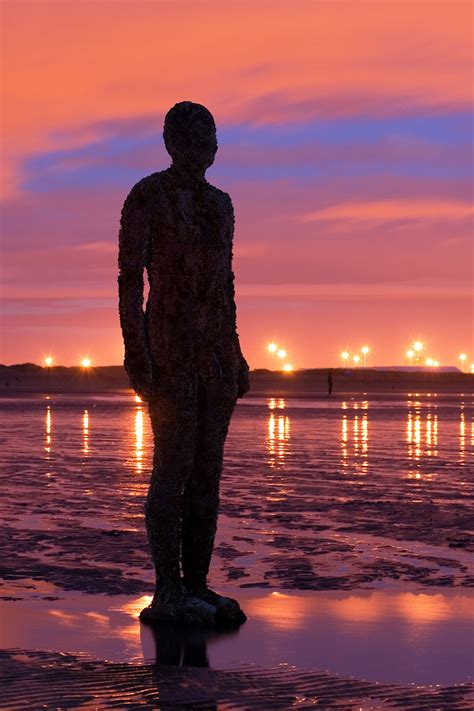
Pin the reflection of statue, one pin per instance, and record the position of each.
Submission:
(181, 671)
(183, 356)
(185, 646)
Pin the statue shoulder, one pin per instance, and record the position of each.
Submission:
(145, 189)
(223, 201)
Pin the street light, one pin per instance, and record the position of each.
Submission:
(281, 353)
(345, 356)
(410, 354)
(287, 368)
(462, 358)
(86, 363)
(356, 359)
(418, 346)
(272, 347)
(364, 351)
(48, 361)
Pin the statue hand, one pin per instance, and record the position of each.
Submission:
(243, 384)
(140, 374)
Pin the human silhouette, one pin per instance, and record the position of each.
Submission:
(182, 356)
(330, 383)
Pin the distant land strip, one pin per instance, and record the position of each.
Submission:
(310, 382)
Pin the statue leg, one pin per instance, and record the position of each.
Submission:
(215, 405)
(173, 418)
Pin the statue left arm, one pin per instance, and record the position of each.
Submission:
(243, 377)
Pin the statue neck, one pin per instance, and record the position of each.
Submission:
(185, 175)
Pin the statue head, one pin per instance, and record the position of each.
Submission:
(189, 134)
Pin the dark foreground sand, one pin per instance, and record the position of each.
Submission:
(75, 681)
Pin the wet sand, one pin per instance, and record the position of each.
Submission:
(345, 531)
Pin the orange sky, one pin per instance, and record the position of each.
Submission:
(343, 144)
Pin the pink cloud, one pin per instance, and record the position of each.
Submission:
(389, 210)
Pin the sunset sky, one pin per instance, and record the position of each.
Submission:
(344, 135)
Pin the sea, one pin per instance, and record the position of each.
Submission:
(345, 531)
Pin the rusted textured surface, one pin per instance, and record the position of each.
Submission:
(182, 353)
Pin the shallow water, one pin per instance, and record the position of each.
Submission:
(379, 636)
(344, 530)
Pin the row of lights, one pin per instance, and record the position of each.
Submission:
(85, 362)
(275, 350)
(413, 354)
(365, 350)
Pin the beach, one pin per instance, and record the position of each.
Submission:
(344, 531)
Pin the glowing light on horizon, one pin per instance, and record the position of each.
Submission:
(281, 353)
(48, 361)
(272, 348)
(86, 363)
(365, 350)
(287, 368)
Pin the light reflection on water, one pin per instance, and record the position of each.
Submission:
(85, 429)
(278, 438)
(421, 435)
(139, 439)
(354, 436)
(48, 428)
(462, 434)
(285, 459)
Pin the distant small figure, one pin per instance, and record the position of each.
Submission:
(183, 357)
(330, 383)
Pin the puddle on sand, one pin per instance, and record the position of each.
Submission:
(397, 637)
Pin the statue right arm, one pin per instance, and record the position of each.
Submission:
(132, 259)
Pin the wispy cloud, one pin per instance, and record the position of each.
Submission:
(404, 291)
(389, 210)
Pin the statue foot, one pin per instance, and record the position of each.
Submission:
(228, 610)
(175, 605)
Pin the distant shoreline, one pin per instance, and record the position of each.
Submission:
(30, 378)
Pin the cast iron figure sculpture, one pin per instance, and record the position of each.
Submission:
(182, 356)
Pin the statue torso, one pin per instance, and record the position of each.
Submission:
(189, 267)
